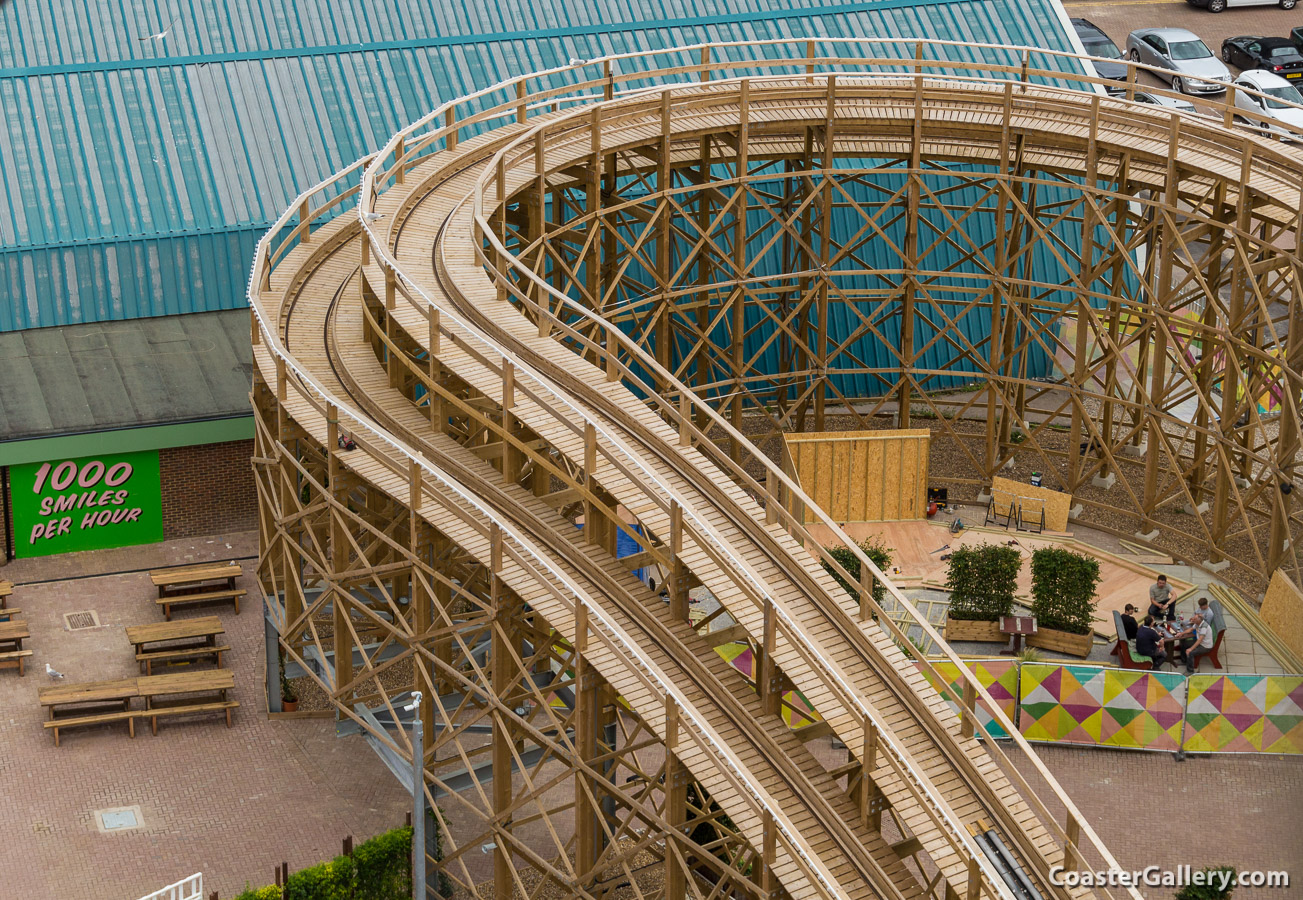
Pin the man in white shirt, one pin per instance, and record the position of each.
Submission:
(1203, 644)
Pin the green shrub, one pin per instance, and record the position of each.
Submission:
(270, 892)
(1063, 590)
(379, 869)
(384, 865)
(877, 552)
(1207, 891)
(982, 581)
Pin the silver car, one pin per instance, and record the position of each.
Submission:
(1181, 58)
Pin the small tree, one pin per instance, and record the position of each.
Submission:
(1211, 889)
(982, 581)
(1063, 590)
(877, 552)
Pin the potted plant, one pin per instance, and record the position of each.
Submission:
(1063, 600)
(981, 581)
(289, 699)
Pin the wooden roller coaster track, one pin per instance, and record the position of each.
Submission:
(528, 313)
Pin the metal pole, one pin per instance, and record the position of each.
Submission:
(418, 799)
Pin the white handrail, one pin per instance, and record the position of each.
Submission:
(191, 888)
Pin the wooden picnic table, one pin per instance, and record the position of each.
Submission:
(197, 584)
(12, 654)
(71, 699)
(186, 692)
(6, 589)
(199, 634)
(12, 634)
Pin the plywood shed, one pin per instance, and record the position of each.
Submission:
(1282, 611)
(863, 476)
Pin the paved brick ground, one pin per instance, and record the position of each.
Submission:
(232, 803)
(1151, 810)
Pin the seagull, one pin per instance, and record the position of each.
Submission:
(162, 34)
(576, 61)
(49, 670)
(372, 216)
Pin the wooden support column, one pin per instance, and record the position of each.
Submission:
(591, 527)
(500, 664)
(342, 641)
(1080, 366)
(420, 608)
(769, 885)
(664, 182)
(825, 254)
(678, 577)
(676, 804)
(913, 192)
(768, 679)
(1163, 301)
(587, 827)
(738, 300)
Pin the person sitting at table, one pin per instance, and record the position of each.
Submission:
(1203, 643)
(1162, 605)
(1149, 644)
(1129, 621)
(1210, 616)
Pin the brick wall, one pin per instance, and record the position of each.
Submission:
(207, 489)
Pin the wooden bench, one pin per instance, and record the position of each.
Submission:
(129, 715)
(15, 659)
(6, 588)
(182, 709)
(149, 657)
(7, 615)
(206, 597)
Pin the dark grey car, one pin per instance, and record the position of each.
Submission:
(1097, 43)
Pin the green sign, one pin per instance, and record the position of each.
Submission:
(86, 504)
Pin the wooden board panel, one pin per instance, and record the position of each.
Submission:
(1056, 503)
(1282, 611)
(863, 476)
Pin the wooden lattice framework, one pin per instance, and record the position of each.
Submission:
(539, 326)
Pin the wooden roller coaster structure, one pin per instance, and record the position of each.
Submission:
(527, 320)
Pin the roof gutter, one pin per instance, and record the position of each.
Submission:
(191, 433)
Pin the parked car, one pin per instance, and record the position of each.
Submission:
(1181, 58)
(1176, 103)
(1271, 54)
(1282, 102)
(1097, 43)
(1220, 5)
(1296, 35)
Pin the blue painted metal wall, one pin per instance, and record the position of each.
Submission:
(138, 173)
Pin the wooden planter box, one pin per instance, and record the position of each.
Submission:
(1062, 641)
(963, 630)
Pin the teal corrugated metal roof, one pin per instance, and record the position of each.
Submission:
(136, 173)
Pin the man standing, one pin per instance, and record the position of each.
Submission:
(1202, 646)
(1162, 605)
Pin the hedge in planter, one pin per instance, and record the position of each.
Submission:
(982, 581)
(1063, 590)
(379, 869)
(877, 552)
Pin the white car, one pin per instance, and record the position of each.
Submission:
(1220, 5)
(1282, 102)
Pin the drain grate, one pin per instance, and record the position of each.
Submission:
(85, 618)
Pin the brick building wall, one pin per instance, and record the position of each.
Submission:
(207, 489)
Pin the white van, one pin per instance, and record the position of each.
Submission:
(1219, 5)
